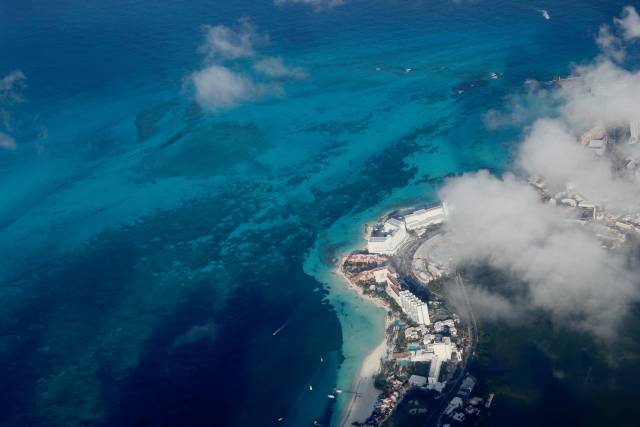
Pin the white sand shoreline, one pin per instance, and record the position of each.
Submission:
(364, 394)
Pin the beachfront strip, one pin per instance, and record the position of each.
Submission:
(428, 345)
(406, 265)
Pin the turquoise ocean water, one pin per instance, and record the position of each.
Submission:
(151, 250)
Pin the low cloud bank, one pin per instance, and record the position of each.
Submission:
(551, 150)
(317, 5)
(562, 267)
(219, 85)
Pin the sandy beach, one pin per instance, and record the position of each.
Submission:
(364, 396)
(338, 271)
(363, 400)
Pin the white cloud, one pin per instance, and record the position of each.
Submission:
(486, 305)
(316, 4)
(521, 109)
(502, 222)
(610, 45)
(629, 23)
(218, 88)
(553, 152)
(601, 92)
(564, 269)
(10, 86)
(6, 142)
(225, 43)
(275, 67)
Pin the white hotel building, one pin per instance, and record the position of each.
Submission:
(387, 239)
(426, 217)
(417, 310)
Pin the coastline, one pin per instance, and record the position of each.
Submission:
(364, 394)
(362, 401)
(364, 297)
(362, 320)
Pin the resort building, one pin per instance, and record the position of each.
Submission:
(596, 140)
(466, 387)
(385, 239)
(380, 274)
(597, 133)
(426, 217)
(438, 349)
(588, 210)
(393, 289)
(417, 310)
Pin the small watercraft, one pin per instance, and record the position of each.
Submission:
(310, 388)
(331, 396)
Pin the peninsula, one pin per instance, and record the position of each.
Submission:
(425, 355)
(422, 369)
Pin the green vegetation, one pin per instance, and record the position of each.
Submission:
(380, 381)
(401, 341)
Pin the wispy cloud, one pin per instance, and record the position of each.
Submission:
(315, 4)
(275, 67)
(6, 142)
(219, 85)
(611, 40)
(562, 266)
(629, 22)
(225, 43)
(610, 45)
(11, 92)
(11, 87)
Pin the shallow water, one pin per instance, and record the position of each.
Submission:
(151, 250)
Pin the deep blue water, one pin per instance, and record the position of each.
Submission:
(150, 250)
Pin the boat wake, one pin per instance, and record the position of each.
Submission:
(284, 325)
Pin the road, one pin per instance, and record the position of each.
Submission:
(403, 263)
(434, 417)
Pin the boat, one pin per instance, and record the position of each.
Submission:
(338, 390)
(280, 419)
(321, 359)
(310, 388)
(331, 396)
(408, 70)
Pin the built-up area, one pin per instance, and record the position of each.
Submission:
(406, 263)
(612, 225)
(430, 346)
